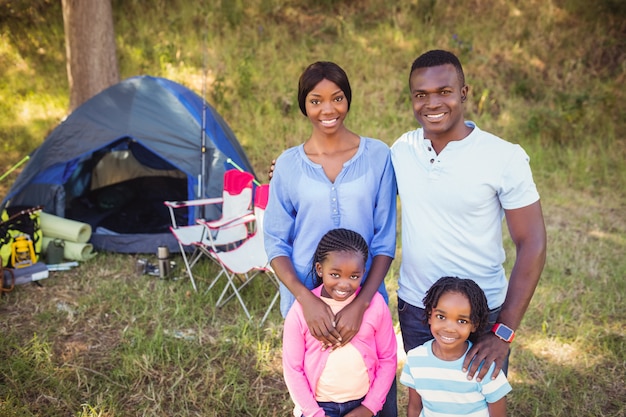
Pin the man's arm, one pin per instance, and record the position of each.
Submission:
(528, 232)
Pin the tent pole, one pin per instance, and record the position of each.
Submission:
(202, 179)
(203, 133)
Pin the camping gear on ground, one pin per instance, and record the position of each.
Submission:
(145, 267)
(54, 251)
(20, 221)
(20, 276)
(71, 235)
(22, 252)
(119, 155)
(64, 266)
(64, 229)
(163, 255)
(73, 251)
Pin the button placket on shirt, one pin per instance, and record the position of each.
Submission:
(334, 205)
(434, 161)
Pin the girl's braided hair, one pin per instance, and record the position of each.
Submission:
(479, 315)
(338, 240)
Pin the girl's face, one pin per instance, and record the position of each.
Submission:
(326, 106)
(341, 272)
(450, 325)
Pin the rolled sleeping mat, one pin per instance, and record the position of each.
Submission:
(72, 251)
(66, 229)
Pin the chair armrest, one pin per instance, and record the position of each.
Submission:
(173, 205)
(194, 203)
(226, 223)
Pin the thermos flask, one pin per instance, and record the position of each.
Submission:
(163, 254)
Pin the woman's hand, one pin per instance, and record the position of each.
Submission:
(270, 171)
(321, 321)
(348, 320)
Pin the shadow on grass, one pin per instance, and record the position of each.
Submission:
(544, 385)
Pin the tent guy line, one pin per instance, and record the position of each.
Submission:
(26, 158)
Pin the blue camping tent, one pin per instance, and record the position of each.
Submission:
(115, 159)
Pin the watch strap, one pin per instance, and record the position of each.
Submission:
(498, 329)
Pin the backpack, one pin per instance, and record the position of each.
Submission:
(18, 221)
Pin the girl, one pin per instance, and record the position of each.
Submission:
(354, 379)
(456, 310)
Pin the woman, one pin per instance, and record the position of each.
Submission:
(336, 178)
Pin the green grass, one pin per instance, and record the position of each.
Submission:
(101, 341)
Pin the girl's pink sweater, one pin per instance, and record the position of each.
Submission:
(304, 360)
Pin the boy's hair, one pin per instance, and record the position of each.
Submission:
(438, 57)
(338, 240)
(317, 72)
(479, 315)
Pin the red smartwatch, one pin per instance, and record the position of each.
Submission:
(504, 332)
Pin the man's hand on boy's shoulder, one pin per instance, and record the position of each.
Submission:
(488, 348)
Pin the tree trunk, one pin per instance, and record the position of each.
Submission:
(90, 48)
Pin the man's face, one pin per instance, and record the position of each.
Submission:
(437, 97)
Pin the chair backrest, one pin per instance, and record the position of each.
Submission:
(236, 181)
(251, 253)
(261, 196)
(237, 194)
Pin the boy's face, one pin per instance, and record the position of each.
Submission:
(450, 325)
(437, 97)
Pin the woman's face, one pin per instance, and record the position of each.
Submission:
(326, 107)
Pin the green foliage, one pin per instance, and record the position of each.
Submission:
(101, 341)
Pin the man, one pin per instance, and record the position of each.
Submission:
(456, 182)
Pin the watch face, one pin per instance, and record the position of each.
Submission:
(504, 332)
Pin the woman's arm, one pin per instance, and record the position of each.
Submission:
(382, 245)
(280, 230)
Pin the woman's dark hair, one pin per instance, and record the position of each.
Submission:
(338, 240)
(318, 71)
(438, 57)
(479, 315)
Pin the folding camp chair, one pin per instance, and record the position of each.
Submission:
(236, 202)
(248, 260)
